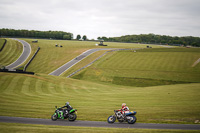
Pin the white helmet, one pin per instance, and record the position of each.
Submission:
(123, 104)
(67, 103)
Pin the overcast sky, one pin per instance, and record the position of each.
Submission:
(108, 18)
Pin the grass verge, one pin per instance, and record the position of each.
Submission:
(24, 128)
(11, 52)
(2, 41)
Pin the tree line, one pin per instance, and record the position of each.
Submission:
(36, 34)
(142, 38)
(155, 39)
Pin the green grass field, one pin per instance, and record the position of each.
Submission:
(36, 96)
(24, 128)
(147, 67)
(11, 52)
(1, 42)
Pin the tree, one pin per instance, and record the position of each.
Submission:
(84, 37)
(66, 37)
(38, 34)
(78, 37)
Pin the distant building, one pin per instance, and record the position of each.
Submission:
(101, 42)
(35, 41)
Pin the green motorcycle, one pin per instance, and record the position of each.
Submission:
(61, 113)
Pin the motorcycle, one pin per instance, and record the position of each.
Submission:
(59, 112)
(128, 117)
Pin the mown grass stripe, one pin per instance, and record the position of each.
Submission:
(6, 53)
(8, 49)
(4, 81)
(12, 84)
(39, 87)
(51, 88)
(27, 87)
(16, 50)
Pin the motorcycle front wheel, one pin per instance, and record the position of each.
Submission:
(54, 117)
(72, 117)
(132, 120)
(111, 119)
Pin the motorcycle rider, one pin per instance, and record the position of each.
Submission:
(125, 109)
(66, 111)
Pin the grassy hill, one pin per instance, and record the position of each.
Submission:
(36, 96)
(147, 67)
(11, 52)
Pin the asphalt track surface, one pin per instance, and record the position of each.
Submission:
(98, 123)
(71, 63)
(25, 54)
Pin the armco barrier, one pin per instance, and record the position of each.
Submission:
(3, 45)
(31, 59)
(17, 71)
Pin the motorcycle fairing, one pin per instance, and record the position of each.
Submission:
(131, 113)
(72, 111)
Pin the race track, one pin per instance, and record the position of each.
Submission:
(97, 124)
(25, 54)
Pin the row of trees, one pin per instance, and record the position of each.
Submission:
(142, 38)
(36, 34)
(155, 39)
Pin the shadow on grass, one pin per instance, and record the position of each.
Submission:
(143, 82)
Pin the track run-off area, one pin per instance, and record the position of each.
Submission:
(98, 123)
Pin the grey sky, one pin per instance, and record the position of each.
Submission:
(103, 17)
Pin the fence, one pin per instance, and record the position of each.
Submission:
(3, 45)
(31, 59)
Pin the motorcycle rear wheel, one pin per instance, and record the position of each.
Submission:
(111, 119)
(72, 117)
(54, 117)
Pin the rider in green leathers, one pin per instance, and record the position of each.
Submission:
(66, 111)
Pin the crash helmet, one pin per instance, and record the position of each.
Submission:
(123, 105)
(67, 103)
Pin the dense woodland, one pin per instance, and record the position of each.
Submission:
(156, 39)
(36, 34)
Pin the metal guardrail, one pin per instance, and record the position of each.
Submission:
(25, 67)
(3, 45)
